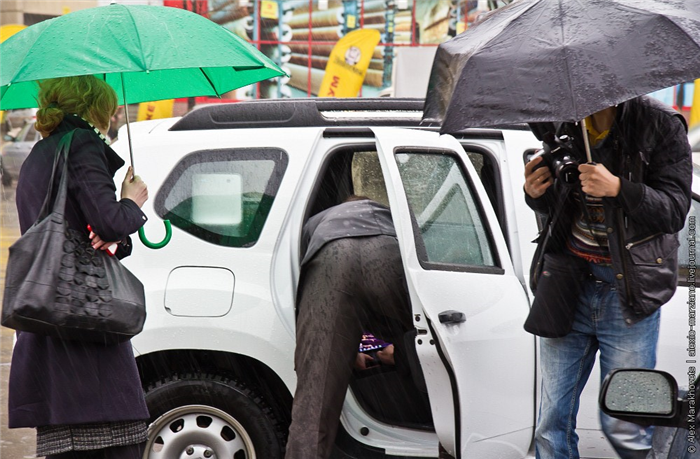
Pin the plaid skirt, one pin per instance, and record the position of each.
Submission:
(85, 437)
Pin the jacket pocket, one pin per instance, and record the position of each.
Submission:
(654, 270)
(654, 250)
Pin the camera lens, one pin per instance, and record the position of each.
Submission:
(566, 170)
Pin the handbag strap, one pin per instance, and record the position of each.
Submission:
(59, 206)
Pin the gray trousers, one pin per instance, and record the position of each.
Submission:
(351, 285)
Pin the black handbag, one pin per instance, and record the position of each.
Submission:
(556, 280)
(558, 287)
(58, 285)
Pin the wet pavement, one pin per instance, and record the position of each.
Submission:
(14, 443)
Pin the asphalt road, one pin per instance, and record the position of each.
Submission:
(14, 443)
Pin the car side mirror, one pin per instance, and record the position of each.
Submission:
(646, 397)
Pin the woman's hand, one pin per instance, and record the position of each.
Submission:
(98, 244)
(134, 188)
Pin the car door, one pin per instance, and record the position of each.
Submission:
(468, 305)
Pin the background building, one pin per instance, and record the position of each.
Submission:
(299, 35)
(29, 12)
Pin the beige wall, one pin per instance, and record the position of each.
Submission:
(12, 11)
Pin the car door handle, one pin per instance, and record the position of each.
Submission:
(451, 317)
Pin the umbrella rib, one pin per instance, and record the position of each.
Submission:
(133, 21)
(566, 61)
(663, 16)
(210, 82)
(679, 28)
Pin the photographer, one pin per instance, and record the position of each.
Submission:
(607, 258)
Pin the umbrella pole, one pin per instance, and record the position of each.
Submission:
(128, 128)
(142, 233)
(168, 227)
(585, 141)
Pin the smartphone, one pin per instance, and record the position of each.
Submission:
(112, 249)
(371, 343)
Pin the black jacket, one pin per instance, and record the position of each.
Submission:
(55, 382)
(91, 190)
(648, 149)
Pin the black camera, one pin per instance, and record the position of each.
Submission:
(557, 154)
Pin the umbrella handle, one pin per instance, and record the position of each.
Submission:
(161, 244)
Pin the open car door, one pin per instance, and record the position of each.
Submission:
(469, 307)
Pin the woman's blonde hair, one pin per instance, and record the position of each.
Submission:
(85, 96)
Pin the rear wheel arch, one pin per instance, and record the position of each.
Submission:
(252, 373)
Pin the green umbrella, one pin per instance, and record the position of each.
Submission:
(145, 53)
(148, 52)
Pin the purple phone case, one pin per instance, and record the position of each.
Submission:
(371, 343)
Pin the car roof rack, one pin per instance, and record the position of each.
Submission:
(318, 112)
(304, 112)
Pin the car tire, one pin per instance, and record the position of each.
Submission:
(193, 413)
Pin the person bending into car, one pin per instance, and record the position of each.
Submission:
(352, 279)
(621, 219)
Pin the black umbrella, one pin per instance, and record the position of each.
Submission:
(561, 60)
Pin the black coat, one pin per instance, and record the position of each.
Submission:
(55, 382)
(648, 149)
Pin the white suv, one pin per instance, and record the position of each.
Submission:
(238, 181)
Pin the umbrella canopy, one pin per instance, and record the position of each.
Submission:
(144, 52)
(562, 60)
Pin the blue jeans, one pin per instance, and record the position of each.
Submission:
(566, 364)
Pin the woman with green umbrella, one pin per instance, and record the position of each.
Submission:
(84, 399)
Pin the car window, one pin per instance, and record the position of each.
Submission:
(487, 174)
(29, 134)
(449, 223)
(367, 178)
(686, 251)
(487, 169)
(222, 196)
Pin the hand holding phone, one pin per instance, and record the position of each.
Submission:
(99, 244)
(112, 249)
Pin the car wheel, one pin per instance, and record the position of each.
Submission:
(210, 416)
